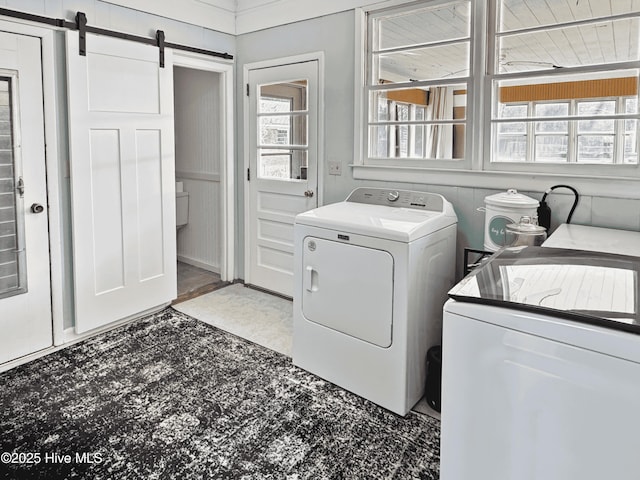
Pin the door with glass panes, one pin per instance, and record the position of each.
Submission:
(282, 180)
(25, 288)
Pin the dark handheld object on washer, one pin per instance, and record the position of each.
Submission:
(544, 212)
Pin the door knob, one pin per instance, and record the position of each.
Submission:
(37, 208)
(308, 193)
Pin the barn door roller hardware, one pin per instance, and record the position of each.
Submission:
(81, 25)
(160, 40)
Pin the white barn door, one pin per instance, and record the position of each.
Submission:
(122, 179)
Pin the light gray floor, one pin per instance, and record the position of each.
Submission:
(256, 316)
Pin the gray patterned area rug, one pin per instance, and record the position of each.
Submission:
(168, 396)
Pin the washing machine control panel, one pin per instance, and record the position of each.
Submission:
(398, 198)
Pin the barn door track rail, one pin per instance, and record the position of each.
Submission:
(81, 25)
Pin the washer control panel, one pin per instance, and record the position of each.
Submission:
(398, 198)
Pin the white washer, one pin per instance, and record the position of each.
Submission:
(371, 275)
(541, 367)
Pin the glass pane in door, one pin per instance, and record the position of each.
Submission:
(283, 131)
(12, 278)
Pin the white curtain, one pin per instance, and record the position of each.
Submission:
(439, 141)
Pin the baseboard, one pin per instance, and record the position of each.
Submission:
(199, 264)
(71, 337)
(28, 358)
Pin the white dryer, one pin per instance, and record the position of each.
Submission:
(371, 276)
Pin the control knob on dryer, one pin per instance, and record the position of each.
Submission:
(393, 196)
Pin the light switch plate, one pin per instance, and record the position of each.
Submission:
(335, 168)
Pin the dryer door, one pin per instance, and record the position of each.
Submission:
(348, 288)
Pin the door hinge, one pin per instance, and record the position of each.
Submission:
(248, 174)
(20, 187)
(247, 89)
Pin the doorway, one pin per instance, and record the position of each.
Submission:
(202, 151)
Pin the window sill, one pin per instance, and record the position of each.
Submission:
(601, 186)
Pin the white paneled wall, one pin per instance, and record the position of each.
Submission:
(199, 242)
(198, 157)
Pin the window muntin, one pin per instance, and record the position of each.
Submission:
(13, 279)
(283, 131)
(414, 111)
(631, 132)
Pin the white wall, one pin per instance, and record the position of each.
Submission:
(198, 156)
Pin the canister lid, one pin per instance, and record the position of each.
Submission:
(526, 225)
(511, 198)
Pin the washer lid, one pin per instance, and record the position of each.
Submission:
(589, 287)
(597, 239)
(380, 221)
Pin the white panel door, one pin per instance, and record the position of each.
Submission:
(122, 179)
(283, 177)
(25, 288)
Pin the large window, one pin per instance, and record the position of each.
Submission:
(417, 81)
(565, 82)
(557, 88)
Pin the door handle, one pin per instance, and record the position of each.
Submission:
(308, 193)
(37, 208)
(310, 280)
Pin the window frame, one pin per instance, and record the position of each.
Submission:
(365, 89)
(493, 77)
(476, 169)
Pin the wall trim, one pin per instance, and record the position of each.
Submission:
(614, 187)
(202, 176)
(197, 263)
(217, 15)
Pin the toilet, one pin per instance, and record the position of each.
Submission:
(182, 209)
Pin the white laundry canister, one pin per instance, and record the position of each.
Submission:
(501, 210)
